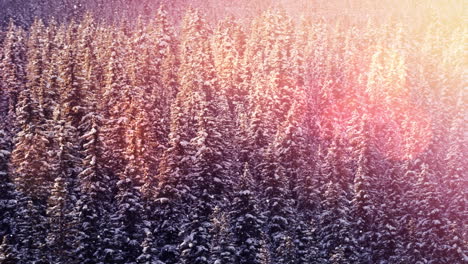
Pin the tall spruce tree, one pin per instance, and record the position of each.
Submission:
(222, 248)
(29, 161)
(92, 207)
(128, 233)
(12, 80)
(8, 196)
(228, 48)
(363, 209)
(292, 151)
(116, 98)
(165, 63)
(13, 75)
(278, 206)
(58, 217)
(334, 219)
(246, 219)
(30, 233)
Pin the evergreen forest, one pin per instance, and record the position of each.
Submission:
(265, 139)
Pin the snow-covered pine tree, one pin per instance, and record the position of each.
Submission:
(172, 186)
(115, 99)
(64, 158)
(222, 248)
(196, 68)
(165, 63)
(305, 242)
(211, 160)
(390, 242)
(29, 161)
(363, 201)
(141, 151)
(175, 174)
(406, 211)
(334, 223)
(36, 65)
(58, 220)
(292, 150)
(258, 133)
(209, 178)
(11, 83)
(128, 231)
(71, 80)
(279, 208)
(145, 135)
(30, 171)
(279, 83)
(64, 166)
(265, 75)
(79, 71)
(8, 252)
(12, 75)
(246, 220)
(432, 229)
(302, 50)
(46, 92)
(286, 253)
(92, 209)
(149, 251)
(195, 246)
(50, 87)
(455, 191)
(8, 194)
(273, 78)
(247, 66)
(30, 230)
(455, 165)
(99, 57)
(264, 254)
(228, 48)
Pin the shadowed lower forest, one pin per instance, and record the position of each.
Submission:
(267, 138)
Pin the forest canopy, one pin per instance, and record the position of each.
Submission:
(199, 135)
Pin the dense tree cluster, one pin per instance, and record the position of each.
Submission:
(273, 141)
